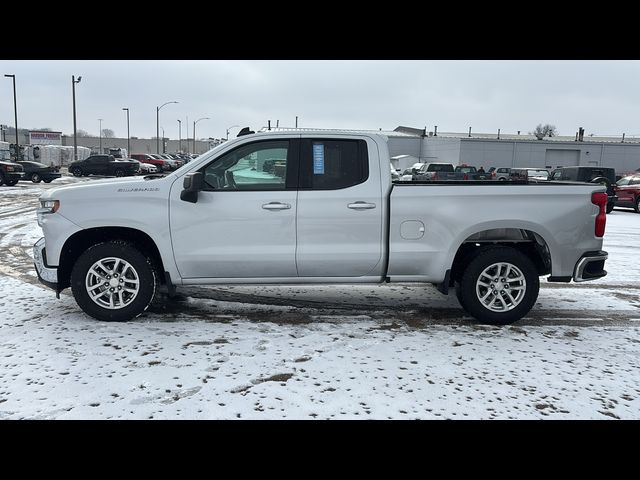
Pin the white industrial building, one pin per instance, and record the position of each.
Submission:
(508, 150)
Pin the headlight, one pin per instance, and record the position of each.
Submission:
(49, 206)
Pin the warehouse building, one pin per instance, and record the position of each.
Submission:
(500, 150)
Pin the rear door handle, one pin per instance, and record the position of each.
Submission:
(276, 206)
(361, 206)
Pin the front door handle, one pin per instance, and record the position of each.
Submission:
(361, 206)
(276, 206)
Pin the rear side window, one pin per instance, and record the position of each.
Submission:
(333, 164)
(440, 168)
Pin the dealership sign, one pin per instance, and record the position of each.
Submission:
(37, 137)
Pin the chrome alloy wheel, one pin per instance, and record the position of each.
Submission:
(112, 283)
(501, 287)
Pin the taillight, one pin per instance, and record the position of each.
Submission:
(434, 176)
(600, 199)
(466, 177)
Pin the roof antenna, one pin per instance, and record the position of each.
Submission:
(245, 131)
(269, 124)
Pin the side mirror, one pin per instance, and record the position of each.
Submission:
(191, 185)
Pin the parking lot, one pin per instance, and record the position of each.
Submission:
(358, 351)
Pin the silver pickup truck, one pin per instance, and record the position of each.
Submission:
(291, 207)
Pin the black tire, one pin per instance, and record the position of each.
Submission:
(1, 178)
(119, 173)
(11, 182)
(637, 205)
(147, 277)
(36, 178)
(77, 172)
(48, 180)
(466, 289)
(610, 206)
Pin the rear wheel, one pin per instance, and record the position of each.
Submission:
(77, 172)
(113, 281)
(36, 178)
(1, 178)
(119, 173)
(610, 206)
(11, 182)
(637, 205)
(499, 286)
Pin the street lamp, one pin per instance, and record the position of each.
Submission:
(180, 135)
(158, 125)
(75, 138)
(232, 126)
(128, 135)
(15, 111)
(100, 133)
(163, 149)
(194, 131)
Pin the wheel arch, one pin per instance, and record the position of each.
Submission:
(525, 240)
(77, 243)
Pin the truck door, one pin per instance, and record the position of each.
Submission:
(243, 224)
(339, 220)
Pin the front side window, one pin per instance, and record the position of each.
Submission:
(256, 166)
(333, 164)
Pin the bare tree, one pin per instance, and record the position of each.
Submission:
(546, 130)
(82, 133)
(108, 133)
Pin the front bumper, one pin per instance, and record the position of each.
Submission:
(590, 266)
(14, 175)
(47, 275)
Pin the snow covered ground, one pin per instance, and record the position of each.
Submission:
(367, 351)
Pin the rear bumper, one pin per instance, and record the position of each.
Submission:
(47, 275)
(590, 266)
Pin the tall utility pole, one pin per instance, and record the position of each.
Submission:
(158, 125)
(75, 138)
(180, 135)
(100, 133)
(128, 134)
(187, 126)
(194, 131)
(15, 111)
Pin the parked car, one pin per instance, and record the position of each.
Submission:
(499, 173)
(160, 163)
(39, 172)
(536, 174)
(395, 176)
(10, 173)
(627, 191)
(408, 174)
(147, 168)
(589, 174)
(104, 165)
(304, 223)
(432, 171)
(171, 164)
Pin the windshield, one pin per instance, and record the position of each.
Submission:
(466, 169)
(624, 181)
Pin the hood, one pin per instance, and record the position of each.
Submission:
(106, 188)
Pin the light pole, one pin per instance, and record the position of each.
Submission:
(100, 133)
(187, 127)
(158, 125)
(128, 135)
(229, 128)
(180, 135)
(15, 111)
(163, 149)
(75, 138)
(194, 131)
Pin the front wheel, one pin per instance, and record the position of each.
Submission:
(610, 206)
(113, 281)
(499, 286)
(11, 182)
(77, 172)
(119, 173)
(35, 178)
(637, 206)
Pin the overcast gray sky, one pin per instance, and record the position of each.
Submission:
(601, 96)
